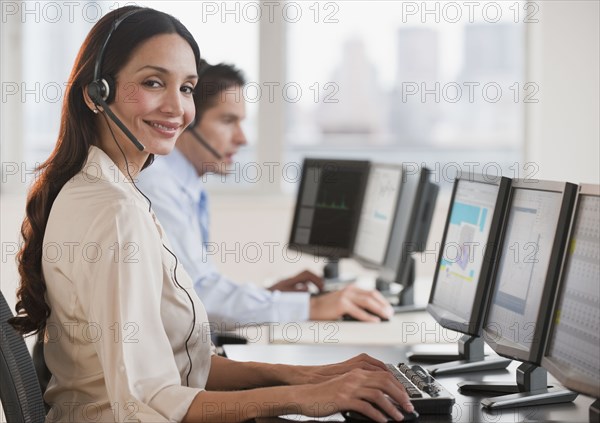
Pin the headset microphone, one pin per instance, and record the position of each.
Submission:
(202, 70)
(202, 141)
(99, 101)
(102, 90)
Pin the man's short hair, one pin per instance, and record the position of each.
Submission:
(214, 83)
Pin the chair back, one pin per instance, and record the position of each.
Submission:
(19, 387)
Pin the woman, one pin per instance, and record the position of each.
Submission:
(125, 335)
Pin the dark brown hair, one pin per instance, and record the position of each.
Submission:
(213, 80)
(77, 133)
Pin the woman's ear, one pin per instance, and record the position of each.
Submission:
(88, 101)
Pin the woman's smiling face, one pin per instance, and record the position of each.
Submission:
(154, 92)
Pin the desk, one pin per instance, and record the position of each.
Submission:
(403, 328)
(466, 409)
(410, 328)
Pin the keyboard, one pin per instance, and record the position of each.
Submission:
(426, 394)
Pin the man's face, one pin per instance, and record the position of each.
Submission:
(220, 126)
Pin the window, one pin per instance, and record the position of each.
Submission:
(225, 32)
(51, 39)
(437, 83)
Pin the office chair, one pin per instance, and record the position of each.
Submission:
(43, 373)
(19, 387)
(222, 338)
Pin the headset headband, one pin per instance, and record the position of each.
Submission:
(98, 65)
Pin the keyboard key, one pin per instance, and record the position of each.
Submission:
(426, 394)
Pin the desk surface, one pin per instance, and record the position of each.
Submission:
(407, 328)
(466, 409)
(404, 328)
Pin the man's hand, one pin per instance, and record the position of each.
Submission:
(353, 301)
(299, 283)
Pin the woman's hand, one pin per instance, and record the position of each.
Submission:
(226, 374)
(368, 392)
(358, 390)
(362, 384)
(318, 374)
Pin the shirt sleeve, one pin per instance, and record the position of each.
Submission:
(230, 304)
(122, 293)
(227, 302)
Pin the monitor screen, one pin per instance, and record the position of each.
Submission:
(378, 212)
(573, 352)
(463, 276)
(528, 266)
(411, 223)
(328, 206)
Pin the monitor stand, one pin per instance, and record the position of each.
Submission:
(406, 297)
(331, 273)
(531, 389)
(595, 411)
(470, 358)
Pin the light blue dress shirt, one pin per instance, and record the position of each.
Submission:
(181, 205)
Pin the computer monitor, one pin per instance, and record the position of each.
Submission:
(573, 350)
(378, 213)
(463, 276)
(328, 208)
(525, 281)
(412, 221)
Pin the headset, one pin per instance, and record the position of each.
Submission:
(102, 89)
(203, 141)
(192, 126)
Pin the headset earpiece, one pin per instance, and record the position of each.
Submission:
(110, 90)
(102, 88)
(94, 90)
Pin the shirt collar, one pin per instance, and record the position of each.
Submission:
(184, 173)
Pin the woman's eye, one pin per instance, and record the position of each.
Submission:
(152, 83)
(187, 89)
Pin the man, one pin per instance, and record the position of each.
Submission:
(174, 185)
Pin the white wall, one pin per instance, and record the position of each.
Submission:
(11, 133)
(563, 132)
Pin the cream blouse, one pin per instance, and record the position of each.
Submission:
(116, 337)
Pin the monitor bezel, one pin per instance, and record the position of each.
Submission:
(570, 381)
(321, 250)
(445, 317)
(393, 270)
(371, 264)
(506, 347)
(423, 193)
